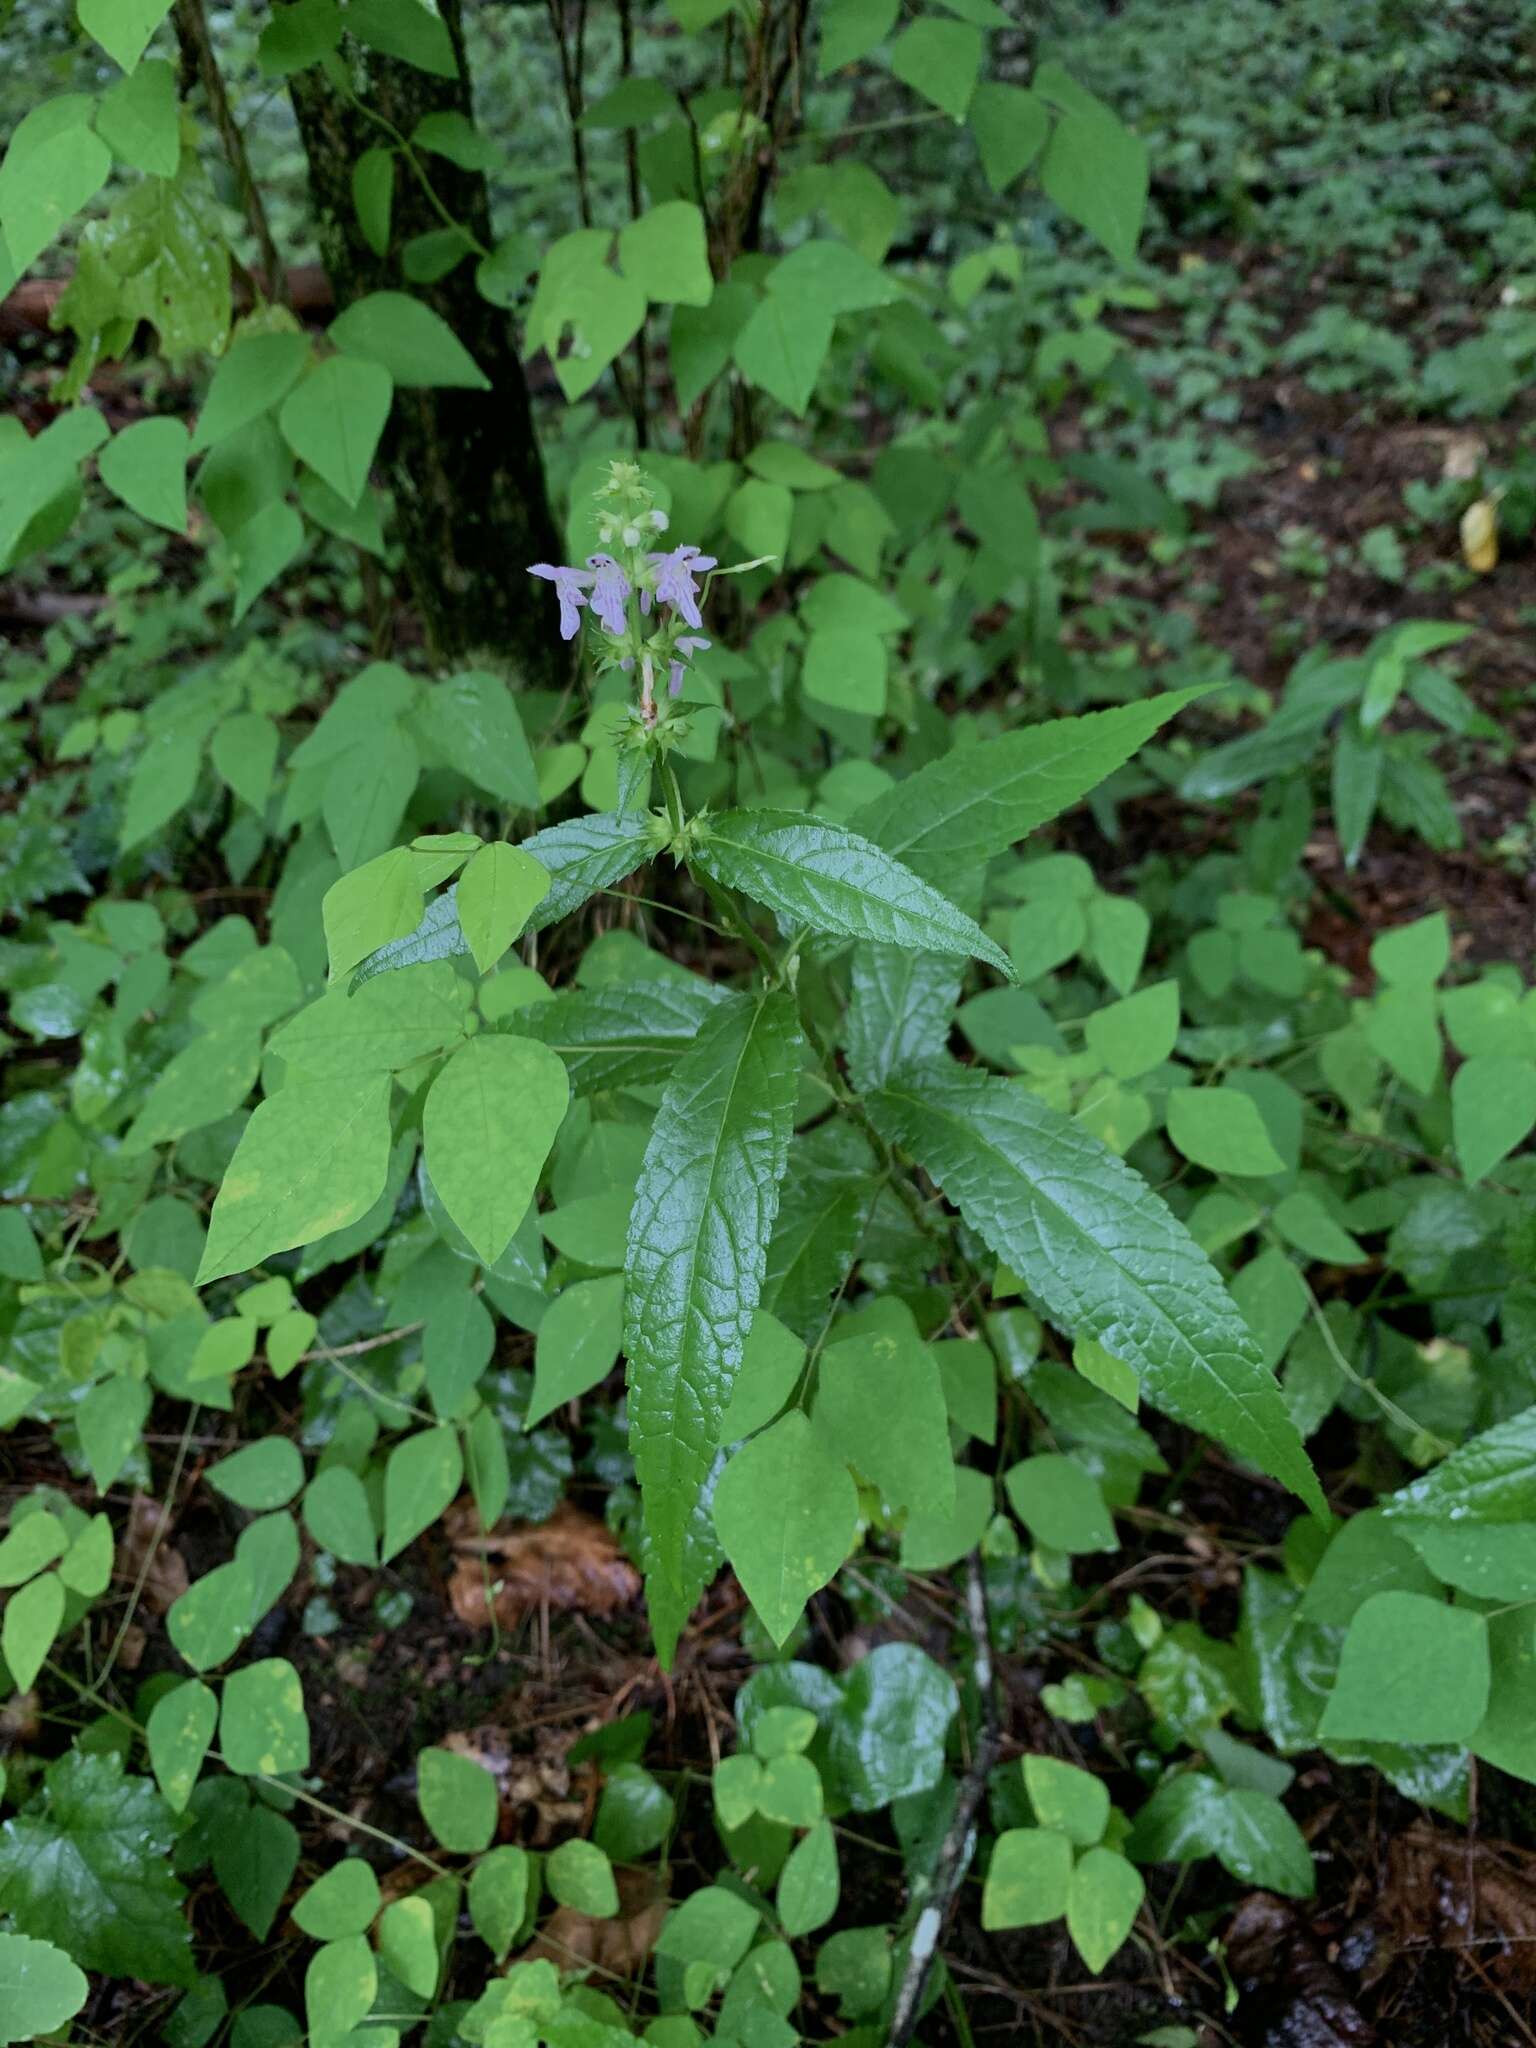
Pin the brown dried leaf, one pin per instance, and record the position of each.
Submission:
(1292, 1990)
(145, 1533)
(570, 1561)
(20, 1720)
(1465, 455)
(1447, 1892)
(535, 1791)
(621, 1945)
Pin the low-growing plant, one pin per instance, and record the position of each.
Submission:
(454, 953)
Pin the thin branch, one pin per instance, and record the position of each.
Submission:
(197, 44)
(636, 208)
(933, 1891)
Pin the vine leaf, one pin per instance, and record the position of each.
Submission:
(313, 1158)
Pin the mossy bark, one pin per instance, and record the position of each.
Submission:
(464, 466)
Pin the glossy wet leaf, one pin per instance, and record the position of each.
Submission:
(887, 1736)
(634, 1815)
(899, 1010)
(625, 1036)
(1250, 1833)
(86, 1865)
(974, 802)
(1489, 1479)
(811, 872)
(698, 1241)
(1099, 1249)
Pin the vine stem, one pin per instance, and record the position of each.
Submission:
(402, 144)
(89, 1695)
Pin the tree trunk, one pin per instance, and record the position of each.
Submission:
(464, 466)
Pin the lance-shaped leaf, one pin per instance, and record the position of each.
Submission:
(625, 1036)
(439, 936)
(809, 871)
(1099, 1250)
(899, 1010)
(698, 1243)
(974, 803)
(829, 1198)
(584, 855)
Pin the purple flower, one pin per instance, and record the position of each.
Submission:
(610, 592)
(570, 588)
(674, 580)
(689, 644)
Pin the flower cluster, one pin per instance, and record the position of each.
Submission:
(646, 603)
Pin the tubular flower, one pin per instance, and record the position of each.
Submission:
(674, 580)
(647, 604)
(570, 588)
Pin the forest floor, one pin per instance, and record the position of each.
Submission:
(1421, 1934)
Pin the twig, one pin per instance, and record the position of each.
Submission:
(570, 78)
(636, 207)
(354, 1350)
(933, 1892)
(192, 34)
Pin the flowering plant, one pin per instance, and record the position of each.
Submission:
(647, 603)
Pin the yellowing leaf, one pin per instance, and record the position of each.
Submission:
(1480, 536)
